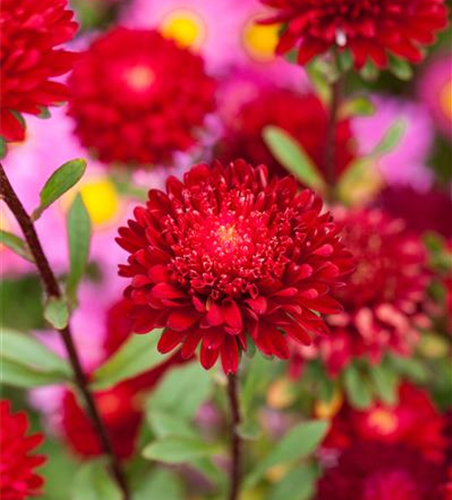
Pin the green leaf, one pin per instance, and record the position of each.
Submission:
(137, 355)
(258, 375)
(386, 383)
(59, 183)
(16, 244)
(165, 424)
(56, 312)
(291, 155)
(298, 443)
(160, 485)
(79, 235)
(298, 484)
(93, 482)
(25, 377)
(390, 139)
(177, 450)
(357, 106)
(249, 430)
(400, 68)
(3, 148)
(411, 368)
(357, 388)
(182, 391)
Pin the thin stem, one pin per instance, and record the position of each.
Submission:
(236, 444)
(52, 289)
(330, 148)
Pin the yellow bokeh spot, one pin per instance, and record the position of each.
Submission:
(281, 394)
(445, 99)
(328, 409)
(384, 421)
(101, 200)
(260, 41)
(185, 27)
(139, 77)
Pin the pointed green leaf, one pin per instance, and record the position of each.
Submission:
(357, 387)
(298, 484)
(177, 450)
(401, 68)
(390, 139)
(25, 377)
(59, 183)
(165, 424)
(298, 443)
(386, 383)
(357, 106)
(291, 155)
(93, 482)
(137, 355)
(16, 244)
(56, 312)
(161, 484)
(79, 235)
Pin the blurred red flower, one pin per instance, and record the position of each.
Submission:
(30, 32)
(304, 117)
(226, 252)
(413, 421)
(18, 479)
(138, 97)
(371, 29)
(376, 471)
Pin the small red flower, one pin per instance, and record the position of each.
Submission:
(138, 97)
(304, 117)
(384, 298)
(370, 29)
(31, 31)
(227, 257)
(413, 421)
(375, 471)
(18, 480)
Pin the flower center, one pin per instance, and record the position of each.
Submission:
(383, 421)
(390, 485)
(445, 99)
(184, 26)
(260, 41)
(139, 78)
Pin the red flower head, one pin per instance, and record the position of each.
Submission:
(304, 117)
(138, 97)
(228, 253)
(30, 32)
(370, 29)
(18, 480)
(413, 421)
(384, 297)
(375, 471)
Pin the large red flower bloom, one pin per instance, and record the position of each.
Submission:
(413, 421)
(304, 117)
(227, 257)
(18, 479)
(370, 29)
(384, 297)
(138, 97)
(30, 32)
(375, 471)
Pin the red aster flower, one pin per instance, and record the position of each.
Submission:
(384, 297)
(18, 480)
(413, 421)
(228, 253)
(31, 31)
(370, 29)
(304, 117)
(138, 97)
(120, 410)
(375, 471)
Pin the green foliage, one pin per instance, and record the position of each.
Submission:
(391, 139)
(385, 383)
(298, 443)
(358, 387)
(357, 106)
(159, 485)
(137, 355)
(59, 183)
(400, 68)
(56, 312)
(93, 482)
(298, 484)
(16, 244)
(176, 450)
(79, 235)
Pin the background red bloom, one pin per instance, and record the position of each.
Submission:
(228, 256)
(372, 29)
(18, 460)
(138, 97)
(31, 31)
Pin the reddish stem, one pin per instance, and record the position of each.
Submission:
(235, 475)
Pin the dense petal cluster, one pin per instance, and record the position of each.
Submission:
(375, 471)
(413, 421)
(383, 302)
(18, 461)
(139, 97)
(371, 29)
(303, 116)
(227, 257)
(31, 31)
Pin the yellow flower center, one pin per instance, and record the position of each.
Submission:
(139, 77)
(445, 99)
(228, 234)
(384, 421)
(185, 27)
(260, 41)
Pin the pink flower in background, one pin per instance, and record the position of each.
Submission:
(407, 163)
(435, 89)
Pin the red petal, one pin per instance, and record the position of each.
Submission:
(231, 314)
(169, 340)
(182, 319)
